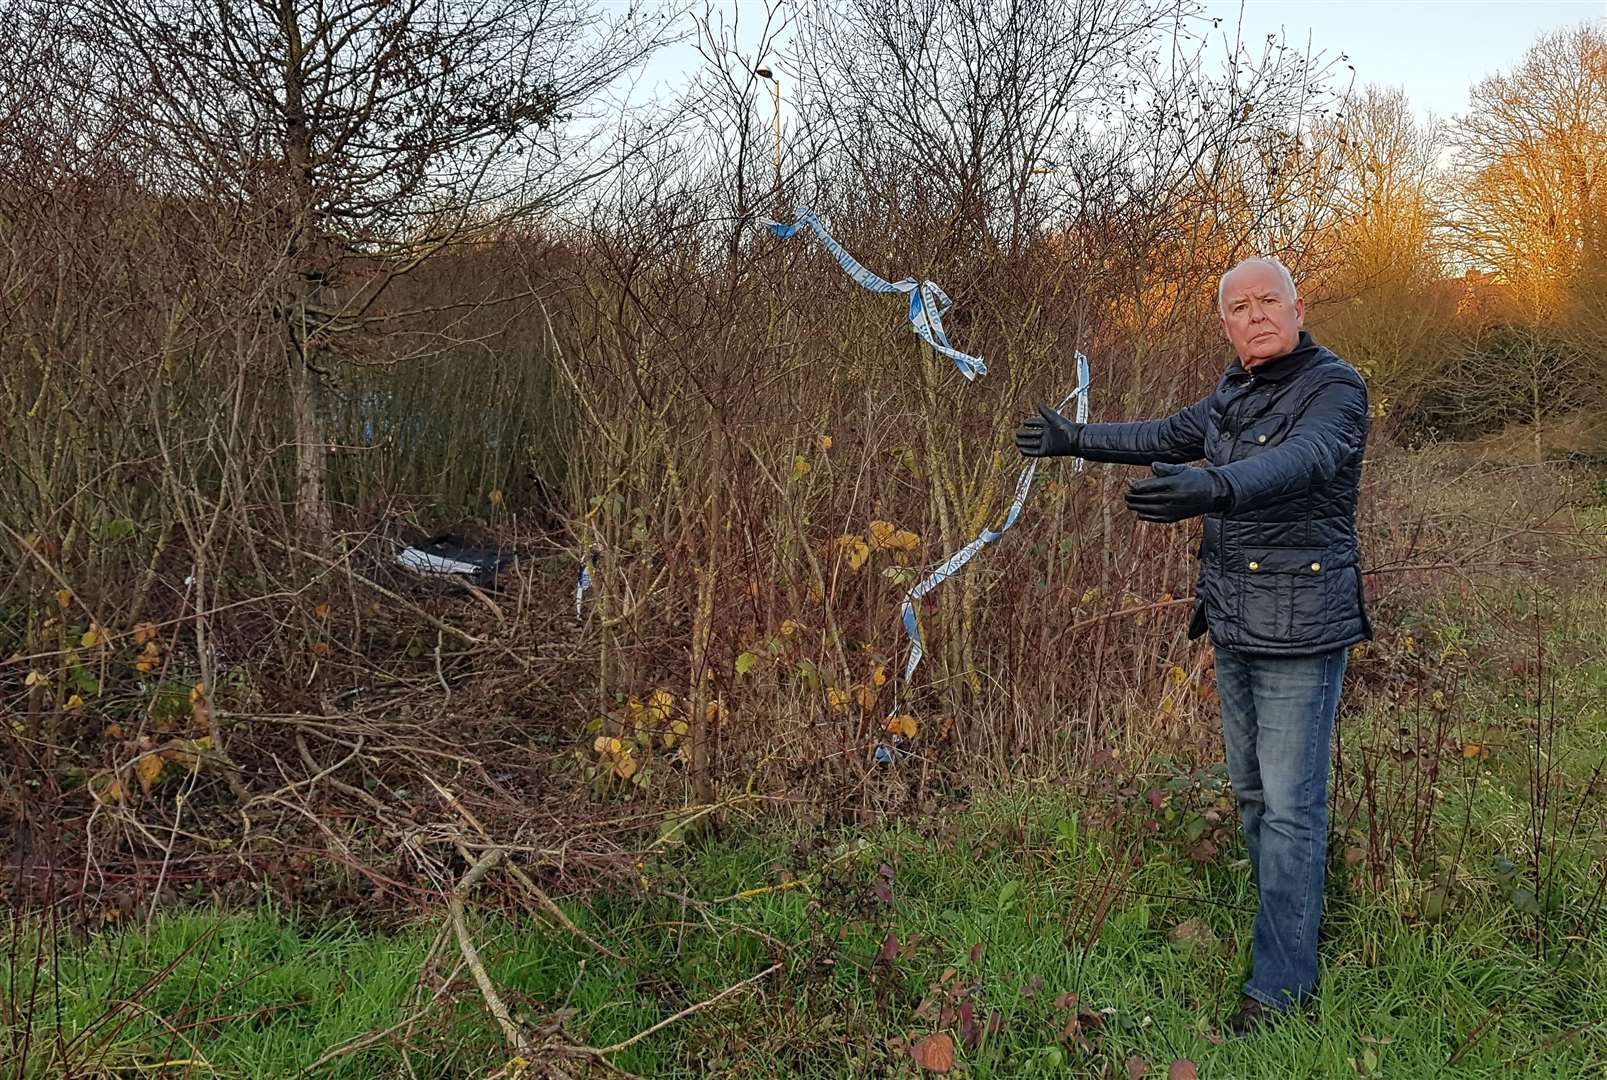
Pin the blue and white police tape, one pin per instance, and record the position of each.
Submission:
(584, 582)
(928, 301)
(885, 753)
(954, 562)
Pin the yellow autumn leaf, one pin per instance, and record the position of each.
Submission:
(866, 695)
(1470, 751)
(600, 744)
(1090, 596)
(878, 675)
(659, 705)
(63, 598)
(496, 498)
(148, 769)
(711, 712)
(197, 692)
(145, 666)
(91, 637)
(144, 633)
(836, 700)
(801, 467)
(625, 767)
(902, 724)
(74, 703)
(152, 648)
(790, 627)
(36, 678)
(825, 442)
(1177, 675)
(112, 731)
(615, 746)
(322, 611)
(885, 536)
(858, 551)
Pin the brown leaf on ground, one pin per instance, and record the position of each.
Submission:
(889, 948)
(1182, 1069)
(969, 1032)
(935, 1053)
(1135, 1067)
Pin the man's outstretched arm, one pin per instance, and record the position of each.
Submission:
(1176, 438)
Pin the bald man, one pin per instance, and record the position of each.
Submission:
(1281, 437)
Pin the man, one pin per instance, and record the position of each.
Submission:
(1279, 587)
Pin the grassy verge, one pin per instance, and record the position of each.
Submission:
(986, 918)
(1096, 929)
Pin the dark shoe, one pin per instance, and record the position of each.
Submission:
(1251, 1017)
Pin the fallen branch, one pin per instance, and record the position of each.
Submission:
(471, 955)
(546, 902)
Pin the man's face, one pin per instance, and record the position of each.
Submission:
(1259, 316)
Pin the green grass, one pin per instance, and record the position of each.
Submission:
(263, 994)
(1455, 964)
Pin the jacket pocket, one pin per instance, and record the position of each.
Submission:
(1265, 432)
(1282, 592)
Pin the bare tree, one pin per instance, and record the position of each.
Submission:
(963, 104)
(1532, 151)
(1530, 204)
(368, 134)
(1383, 297)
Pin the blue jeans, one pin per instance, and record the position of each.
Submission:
(1277, 723)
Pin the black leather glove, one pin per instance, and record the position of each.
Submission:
(1048, 435)
(1176, 492)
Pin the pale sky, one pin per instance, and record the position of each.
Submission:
(1433, 49)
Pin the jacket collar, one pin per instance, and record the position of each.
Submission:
(1279, 367)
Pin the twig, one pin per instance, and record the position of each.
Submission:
(337, 784)
(547, 903)
(688, 1011)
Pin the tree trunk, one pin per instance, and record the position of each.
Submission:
(312, 455)
(301, 249)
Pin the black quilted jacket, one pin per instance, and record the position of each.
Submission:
(1280, 569)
